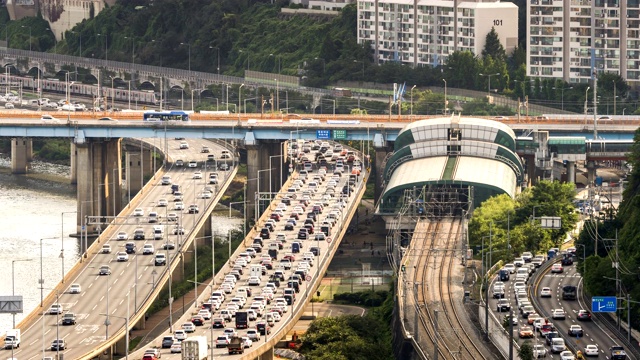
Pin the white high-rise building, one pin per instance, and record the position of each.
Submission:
(425, 32)
(571, 39)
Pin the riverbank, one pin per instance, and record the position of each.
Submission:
(40, 170)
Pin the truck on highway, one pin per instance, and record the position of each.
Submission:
(618, 353)
(194, 348)
(235, 346)
(242, 320)
(12, 339)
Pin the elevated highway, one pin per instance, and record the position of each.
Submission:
(129, 287)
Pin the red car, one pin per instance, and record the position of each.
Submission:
(289, 257)
(275, 217)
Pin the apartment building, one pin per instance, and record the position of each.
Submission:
(425, 32)
(572, 39)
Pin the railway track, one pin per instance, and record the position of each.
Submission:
(436, 299)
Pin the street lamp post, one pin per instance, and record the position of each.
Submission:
(586, 99)
(13, 285)
(248, 58)
(562, 89)
(258, 199)
(323, 64)
(278, 57)
(446, 103)
(126, 327)
(41, 280)
(189, 45)
(489, 76)
(413, 87)
(271, 167)
(106, 46)
(28, 26)
(62, 238)
(80, 35)
(218, 51)
(277, 94)
(133, 50)
(239, 100)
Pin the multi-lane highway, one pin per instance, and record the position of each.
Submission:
(594, 333)
(124, 285)
(321, 192)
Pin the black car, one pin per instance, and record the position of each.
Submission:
(503, 305)
(197, 320)
(169, 246)
(69, 319)
(130, 248)
(303, 234)
(263, 328)
(584, 315)
(269, 226)
(265, 233)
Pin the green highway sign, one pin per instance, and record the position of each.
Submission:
(339, 134)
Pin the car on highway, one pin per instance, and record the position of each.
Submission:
(193, 164)
(218, 323)
(503, 305)
(556, 268)
(176, 348)
(178, 205)
(184, 145)
(558, 314)
(55, 309)
(188, 327)
(122, 256)
(584, 315)
(567, 355)
(167, 341)
(539, 351)
(163, 203)
(205, 149)
(148, 249)
(193, 209)
(197, 320)
(576, 330)
(154, 217)
(130, 247)
(58, 344)
(222, 341)
(47, 117)
(545, 292)
(179, 163)
(122, 235)
(69, 319)
(206, 195)
(160, 260)
(518, 262)
(525, 332)
(168, 245)
(106, 118)
(518, 286)
(197, 175)
(510, 267)
(138, 212)
(75, 289)
(106, 249)
(591, 350)
(105, 270)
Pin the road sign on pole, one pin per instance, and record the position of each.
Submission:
(604, 304)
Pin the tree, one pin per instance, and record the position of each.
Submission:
(526, 351)
(461, 69)
(493, 48)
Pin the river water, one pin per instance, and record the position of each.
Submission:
(38, 206)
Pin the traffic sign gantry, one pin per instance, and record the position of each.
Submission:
(604, 304)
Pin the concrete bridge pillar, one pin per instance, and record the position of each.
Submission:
(591, 172)
(99, 177)
(134, 174)
(261, 175)
(21, 149)
(571, 172)
(266, 356)
(29, 150)
(530, 168)
(74, 165)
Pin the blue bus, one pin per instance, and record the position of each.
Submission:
(166, 116)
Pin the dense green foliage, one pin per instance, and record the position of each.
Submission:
(526, 351)
(508, 221)
(54, 150)
(351, 337)
(366, 298)
(598, 271)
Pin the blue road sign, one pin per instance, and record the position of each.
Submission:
(323, 134)
(604, 304)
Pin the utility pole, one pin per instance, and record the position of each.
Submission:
(435, 338)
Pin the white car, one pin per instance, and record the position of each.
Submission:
(148, 249)
(206, 195)
(246, 342)
(591, 350)
(184, 145)
(46, 117)
(176, 348)
(197, 175)
(539, 351)
(122, 256)
(230, 332)
(153, 217)
(180, 335)
(254, 281)
(188, 327)
(163, 203)
(172, 216)
(567, 355)
(206, 314)
(193, 164)
(253, 334)
(519, 285)
(178, 206)
(75, 289)
(545, 292)
(518, 262)
(558, 314)
(122, 235)
(56, 309)
(138, 212)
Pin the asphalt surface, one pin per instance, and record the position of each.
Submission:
(312, 278)
(130, 281)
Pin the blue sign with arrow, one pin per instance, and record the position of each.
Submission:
(604, 304)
